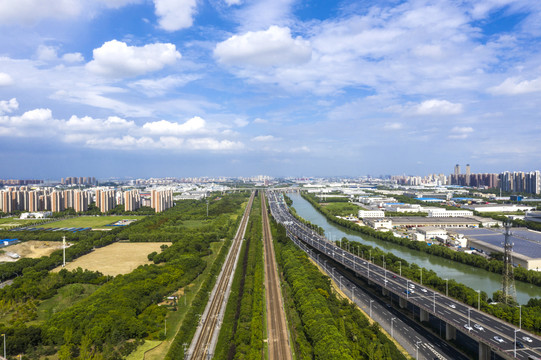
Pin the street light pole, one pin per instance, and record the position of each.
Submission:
(446, 287)
(479, 300)
(371, 301)
(469, 316)
(392, 334)
(417, 353)
(400, 264)
(421, 270)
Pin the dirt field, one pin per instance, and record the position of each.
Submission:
(31, 249)
(115, 259)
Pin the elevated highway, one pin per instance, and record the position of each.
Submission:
(492, 334)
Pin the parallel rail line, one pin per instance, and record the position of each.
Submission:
(278, 340)
(204, 341)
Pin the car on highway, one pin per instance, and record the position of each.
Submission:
(423, 290)
(519, 344)
(468, 327)
(527, 338)
(452, 306)
(408, 292)
(412, 286)
(394, 276)
(479, 327)
(498, 339)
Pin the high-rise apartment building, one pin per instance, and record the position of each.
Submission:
(161, 200)
(132, 200)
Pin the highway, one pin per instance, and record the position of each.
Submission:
(495, 333)
(204, 340)
(278, 340)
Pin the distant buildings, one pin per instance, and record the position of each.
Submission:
(78, 181)
(161, 200)
(516, 181)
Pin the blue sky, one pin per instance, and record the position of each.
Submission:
(142, 88)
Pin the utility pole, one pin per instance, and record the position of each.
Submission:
(64, 251)
(509, 292)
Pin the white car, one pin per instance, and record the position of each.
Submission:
(452, 306)
(423, 290)
(527, 338)
(468, 327)
(498, 339)
(479, 327)
(412, 286)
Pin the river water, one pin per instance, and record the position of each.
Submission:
(475, 278)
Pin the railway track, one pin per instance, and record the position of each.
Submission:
(278, 340)
(204, 341)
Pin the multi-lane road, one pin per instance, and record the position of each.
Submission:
(486, 329)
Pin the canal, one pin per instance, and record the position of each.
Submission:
(475, 278)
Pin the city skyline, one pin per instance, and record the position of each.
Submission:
(161, 88)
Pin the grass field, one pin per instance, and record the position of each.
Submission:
(95, 222)
(343, 209)
(66, 297)
(7, 223)
(139, 353)
(115, 259)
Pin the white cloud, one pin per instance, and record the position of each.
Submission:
(514, 86)
(212, 144)
(7, 106)
(393, 126)
(233, 2)
(73, 57)
(158, 87)
(5, 79)
(89, 124)
(46, 53)
(264, 138)
(260, 121)
(460, 132)
(260, 14)
(116, 59)
(115, 133)
(272, 47)
(438, 107)
(175, 14)
(193, 125)
(28, 12)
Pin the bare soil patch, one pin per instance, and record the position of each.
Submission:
(117, 258)
(31, 249)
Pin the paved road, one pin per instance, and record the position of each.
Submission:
(476, 324)
(278, 340)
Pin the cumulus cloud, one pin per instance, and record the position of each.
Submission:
(193, 125)
(5, 79)
(272, 47)
(73, 57)
(116, 59)
(115, 133)
(7, 106)
(460, 132)
(175, 14)
(514, 86)
(438, 107)
(264, 138)
(158, 87)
